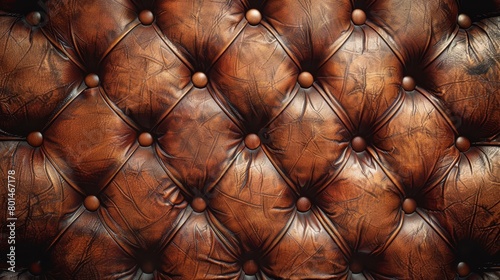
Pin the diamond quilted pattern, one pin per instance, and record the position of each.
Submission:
(315, 248)
(351, 200)
(477, 93)
(244, 139)
(25, 107)
(310, 31)
(212, 26)
(416, 118)
(155, 78)
(245, 77)
(196, 123)
(96, 37)
(95, 155)
(141, 180)
(321, 136)
(253, 201)
(368, 82)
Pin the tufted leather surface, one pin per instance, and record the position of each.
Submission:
(278, 139)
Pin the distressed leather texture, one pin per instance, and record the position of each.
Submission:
(278, 139)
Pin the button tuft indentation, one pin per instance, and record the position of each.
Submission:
(358, 17)
(199, 80)
(145, 139)
(303, 204)
(408, 83)
(35, 139)
(464, 21)
(198, 204)
(92, 80)
(462, 144)
(91, 203)
(253, 16)
(358, 144)
(409, 205)
(356, 267)
(148, 267)
(36, 268)
(250, 267)
(252, 141)
(146, 17)
(34, 18)
(463, 269)
(305, 79)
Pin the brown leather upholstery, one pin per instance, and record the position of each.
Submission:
(278, 139)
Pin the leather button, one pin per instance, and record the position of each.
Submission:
(198, 204)
(305, 79)
(463, 269)
(199, 80)
(250, 267)
(252, 141)
(92, 80)
(358, 17)
(35, 268)
(408, 83)
(146, 17)
(409, 205)
(358, 144)
(303, 204)
(145, 139)
(148, 267)
(253, 16)
(35, 139)
(462, 144)
(34, 18)
(92, 203)
(356, 267)
(464, 21)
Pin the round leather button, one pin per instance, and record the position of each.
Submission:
(252, 141)
(36, 268)
(148, 267)
(146, 17)
(462, 144)
(199, 80)
(463, 269)
(34, 18)
(303, 204)
(91, 203)
(464, 21)
(35, 139)
(305, 79)
(250, 267)
(253, 16)
(92, 80)
(356, 267)
(409, 205)
(358, 17)
(408, 83)
(145, 139)
(358, 144)
(198, 204)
